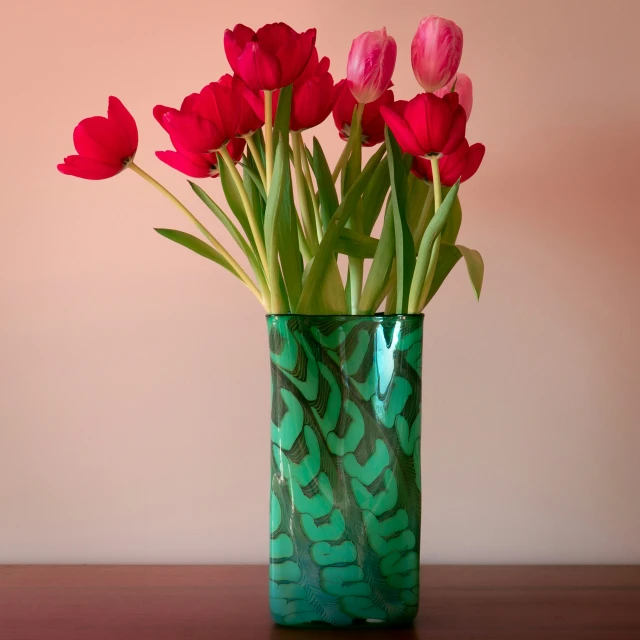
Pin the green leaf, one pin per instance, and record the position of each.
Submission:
(329, 297)
(374, 196)
(381, 265)
(283, 115)
(452, 228)
(229, 226)
(352, 243)
(197, 246)
(338, 221)
(434, 228)
(354, 163)
(405, 251)
(449, 256)
(233, 199)
(252, 173)
(417, 192)
(326, 189)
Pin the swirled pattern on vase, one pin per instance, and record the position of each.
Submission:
(345, 488)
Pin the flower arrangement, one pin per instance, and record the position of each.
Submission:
(288, 211)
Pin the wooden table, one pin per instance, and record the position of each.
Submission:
(230, 603)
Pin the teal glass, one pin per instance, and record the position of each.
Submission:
(345, 460)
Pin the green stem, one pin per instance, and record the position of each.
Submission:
(253, 221)
(251, 143)
(307, 222)
(268, 136)
(205, 232)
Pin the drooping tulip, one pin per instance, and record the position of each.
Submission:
(200, 165)
(271, 58)
(371, 62)
(461, 164)
(208, 120)
(436, 50)
(105, 146)
(312, 97)
(372, 124)
(427, 125)
(461, 83)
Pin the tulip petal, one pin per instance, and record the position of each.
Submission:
(401, 131)
(457, 130)
(99, 139)
(122, 120)
(235, 42)
(475, 154)
(88, 168)
(259, 68)
(190, 132)
(191, 164)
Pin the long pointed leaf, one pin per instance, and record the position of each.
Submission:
(449, 256)
(197, 246)
(326, 189)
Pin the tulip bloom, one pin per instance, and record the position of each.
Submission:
(372, 124)
(208, 120)
(463, 88)
(313, 95)
(105, 146)
(461, 164)
(436, 50)
(372, 59)
(200, 165)
(427, 125)
(271, 58)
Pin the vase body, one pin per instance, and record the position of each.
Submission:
(345, 462)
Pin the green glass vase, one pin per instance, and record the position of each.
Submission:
(345, 460)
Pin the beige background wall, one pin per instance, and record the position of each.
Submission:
(134, 376)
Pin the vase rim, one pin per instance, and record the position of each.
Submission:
(344, 315)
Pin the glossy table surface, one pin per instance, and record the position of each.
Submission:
(230, 602)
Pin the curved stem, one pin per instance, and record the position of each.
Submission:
(251, 143)
(240, 272)
(268, 136)
(253, 221)
(346, 152)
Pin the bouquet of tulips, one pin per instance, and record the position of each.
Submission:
(288, 211)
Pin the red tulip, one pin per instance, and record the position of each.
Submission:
(200, 165)
(208, 120)
(464, 89)
(196, 165)
(249, 122)
(461, 164)
(435, 52)
(271, 58)
(372, 59)
(313, 96)
(427, 125)
(105, 146)
(372, 124)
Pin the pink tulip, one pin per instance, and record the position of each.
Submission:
(370, 66)
(435, 52)
(463, 88)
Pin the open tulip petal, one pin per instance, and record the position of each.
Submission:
(457, 131)
(124, 122)
(401, 131)
(191, 164)
(259, 69)
(475, 154)
(88, 168)
(190, 132)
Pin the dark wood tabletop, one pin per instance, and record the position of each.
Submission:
(231, 602)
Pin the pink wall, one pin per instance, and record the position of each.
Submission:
(134, 422)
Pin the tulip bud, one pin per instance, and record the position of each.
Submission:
(372, 59)
(461, 84)
(435, 52)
